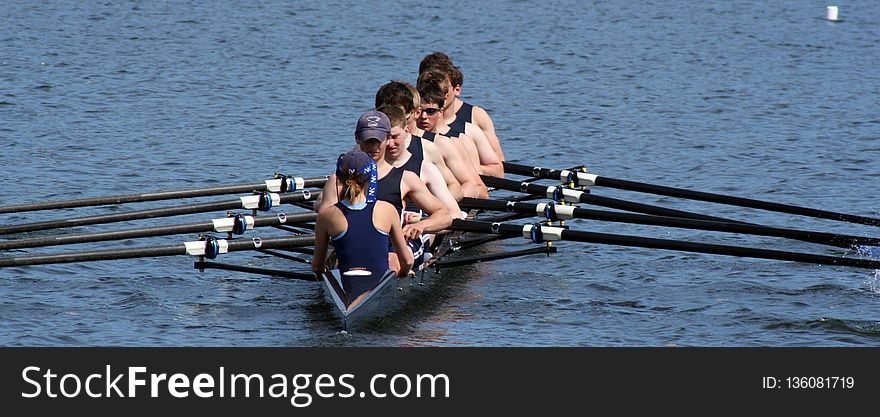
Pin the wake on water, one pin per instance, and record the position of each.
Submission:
(874, 281)
(871, 252)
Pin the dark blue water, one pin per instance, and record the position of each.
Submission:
(741, 97)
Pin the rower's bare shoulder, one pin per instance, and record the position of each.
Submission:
(328, 212)
(385, 206)
(429, 146)
(412, 187)
(387, 215)
(480, 114)
(412, 179)
(441, 138)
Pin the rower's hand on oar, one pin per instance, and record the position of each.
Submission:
(413, 231)
(413, 228)
(412, 217)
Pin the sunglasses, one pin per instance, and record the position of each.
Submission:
(431, 111)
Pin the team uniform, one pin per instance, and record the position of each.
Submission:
(388, 189)
(463, 116)
(360, 249)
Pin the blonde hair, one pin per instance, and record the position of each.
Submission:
(417, 99)
(353, 185)
(395, 114)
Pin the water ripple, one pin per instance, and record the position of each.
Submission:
(113, 98)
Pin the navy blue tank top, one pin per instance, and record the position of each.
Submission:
(388, 188)
(449, 133)
(361, 247)
(415, 147)
(464, 115)
(414, 164)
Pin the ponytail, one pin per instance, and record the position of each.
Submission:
(353, 186)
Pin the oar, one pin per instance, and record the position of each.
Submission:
(237, 224)
(279, 184)
(574, 196)
(262, 201)
(559, 212)
(209, 248)
(538, 233)
(583, 178)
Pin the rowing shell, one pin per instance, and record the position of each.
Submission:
(391, 294)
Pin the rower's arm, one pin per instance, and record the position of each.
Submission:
(436, 158)
(319, 259)
(395, 234)
(484, 122)
(489, 162)
(434, 180)
(330, 196)
(471, 184)
(438, 216)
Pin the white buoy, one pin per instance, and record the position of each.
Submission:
(831, 13)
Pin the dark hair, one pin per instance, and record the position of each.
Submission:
(396, 94)
(435, 60)
(431, 88)
(456, 78)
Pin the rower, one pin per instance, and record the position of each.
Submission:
(398, 155)
(396, 94)
(434, 91)
(394, 184)
(461, 114)
(360, 228)
(442, 151)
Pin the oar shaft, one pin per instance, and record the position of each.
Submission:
(178, 229)
(202, 265)
(665, 244)
(104, 236)
(149, 214)
(587, 198)
(653, 243)
(642, 187)
(733, 201)
(269, 185)
(155, 251)
(120, 217)
(648, 209)
(564, 212)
